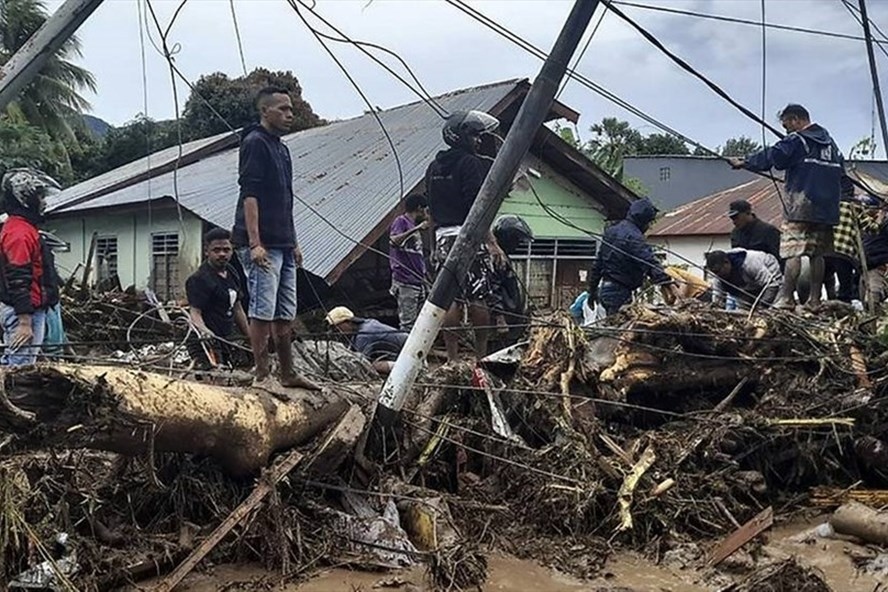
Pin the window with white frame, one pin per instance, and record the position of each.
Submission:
(665, 173)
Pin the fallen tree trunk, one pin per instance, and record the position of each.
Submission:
(134, 412)
(863, 522)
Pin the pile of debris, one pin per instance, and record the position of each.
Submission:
(658, 428)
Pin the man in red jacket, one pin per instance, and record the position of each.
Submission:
(29, 283)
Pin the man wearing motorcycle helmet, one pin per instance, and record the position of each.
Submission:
(29, 283)
(453, 180)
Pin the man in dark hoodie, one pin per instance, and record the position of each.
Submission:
(625, 259)
(814, 169)
(30, 283)
(265, 236)
(453, 180)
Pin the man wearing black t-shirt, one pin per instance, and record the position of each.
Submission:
(214, 301)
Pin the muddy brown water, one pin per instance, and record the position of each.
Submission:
(625, 571)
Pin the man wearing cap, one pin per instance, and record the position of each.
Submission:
(376, 341)
(750, 233)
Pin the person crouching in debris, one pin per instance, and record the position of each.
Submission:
(625, 259)
(214, 303)
(752, 277)
(814, 168)
(453, 180)
(376, 341)
(407, 260)
(689, 286)
(30, 282)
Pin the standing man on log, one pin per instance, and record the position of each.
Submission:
(814, 168)
(265, 235)
(29, 283)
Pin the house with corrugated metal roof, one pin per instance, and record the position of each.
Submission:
(144, 222)
(688, 232)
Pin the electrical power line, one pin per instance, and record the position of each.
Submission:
(240, 43)
(684, 65)
(422, 93)
(372, 110)
(740, 21)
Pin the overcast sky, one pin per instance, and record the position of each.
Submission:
(449, 51)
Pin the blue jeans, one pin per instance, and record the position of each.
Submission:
(272, 289)
(613, 295)
(26, 354)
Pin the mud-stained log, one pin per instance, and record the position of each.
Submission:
(135, 412)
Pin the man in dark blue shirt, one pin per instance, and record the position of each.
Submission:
(265, 236)
(813, 185)
(625, 258)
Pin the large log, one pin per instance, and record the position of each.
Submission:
(863, 522)
(135, 412)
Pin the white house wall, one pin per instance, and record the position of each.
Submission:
(690, 250)
(133, 231)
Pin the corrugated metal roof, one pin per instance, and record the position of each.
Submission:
(708, 215)
(162, 159)
(344, 170)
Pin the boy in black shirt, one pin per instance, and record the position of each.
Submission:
(214, 301)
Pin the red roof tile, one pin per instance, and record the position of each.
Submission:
(709, 215)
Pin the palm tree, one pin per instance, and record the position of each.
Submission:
(52, 101)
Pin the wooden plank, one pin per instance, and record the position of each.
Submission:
(263, 488)
(741, 536)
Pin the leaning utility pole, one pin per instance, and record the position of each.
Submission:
(530, 117)
(27, 61)
(874, 72)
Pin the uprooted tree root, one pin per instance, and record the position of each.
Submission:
(715, 397)
(659, 427)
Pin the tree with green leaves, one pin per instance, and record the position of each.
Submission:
(134, 140)
(664, 144)
(234, 99)
(23, 145)
(52, 101)
(741, 146)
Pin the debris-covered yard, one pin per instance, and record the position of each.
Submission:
(682, 435)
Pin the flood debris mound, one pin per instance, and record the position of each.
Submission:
(655, 429)
(782, 576)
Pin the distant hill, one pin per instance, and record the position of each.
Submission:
(98, 127)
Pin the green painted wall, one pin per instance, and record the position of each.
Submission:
(560, 195)
(133, 232)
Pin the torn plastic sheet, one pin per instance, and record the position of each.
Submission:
(378, 539)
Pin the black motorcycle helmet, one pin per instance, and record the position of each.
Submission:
(462, 125)
(511, 232)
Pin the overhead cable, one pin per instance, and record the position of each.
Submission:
(371, 109)
(690, 69)
(740, 21)
(422, 93)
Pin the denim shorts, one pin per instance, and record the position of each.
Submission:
(273, 289)
(26, 354)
